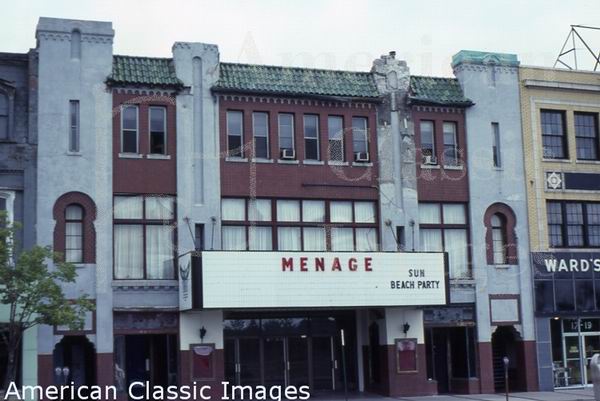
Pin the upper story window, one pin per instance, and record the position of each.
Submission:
(554, 138)
(443, 227)
(158, 130)
(4, 116)
(311, 137)
(499, 242)
(144, 237)
(295, 225)
(260, 131)
(335, 129)
(129, 129)
(586, 136)
(287, 148)
(235, 136)
(74, 233)
(451, 157)
(496, 150)
(573, 224)
(360, 139)
(74, 126)
(428, 142)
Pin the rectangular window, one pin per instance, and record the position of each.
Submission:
(586, 136)
(496, 150)
(235, 137)
(443, 227)
(335, 129)
(360, 139)
(428, 142)
(199, 237)
(260, 131)
(311, 137)
(573, 224)
(4, 116)
(129, 129)
(158, 130)
(450, 144)
(144, 237)
(286, 136)
(74, 126)
(554, 138)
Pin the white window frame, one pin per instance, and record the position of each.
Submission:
(365, 132)
(137, 128)
(9, 196)
(279, 130)
(254, 136)
(341, 139)
(227, 113)
(457, 161)
(164, 110)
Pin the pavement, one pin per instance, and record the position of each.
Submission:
(582, 394)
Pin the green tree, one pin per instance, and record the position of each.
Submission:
(32, 293)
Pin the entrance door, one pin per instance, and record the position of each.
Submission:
(274, 361)
(297, 361)
(249, 361)
(573, 360)
(323, 363)
(591, 345)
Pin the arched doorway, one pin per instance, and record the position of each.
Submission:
(506, 342)
(75, 361)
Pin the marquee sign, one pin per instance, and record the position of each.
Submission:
(321, 279)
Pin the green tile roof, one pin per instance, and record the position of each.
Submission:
(143, 71)
(251, 78)
(437, 91)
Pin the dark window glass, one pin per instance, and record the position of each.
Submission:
(544, 296)
(286, 131)
(427, 140)
(553, 134)
(158, 131)
(335, 129)
(74, 125)
(496, 145)
(575, 224)
(130, 130)
(234, 134)
(3, 116)
(563, 292)
(311, 137)
(260, 129)
(555, 223)
(199, 237)
(597, 287)
(360, 137)
(586, 136)
(593, 221)
(450, 144)
(584, 293)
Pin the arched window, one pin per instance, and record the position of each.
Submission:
(74, 233)
(499, 239)
(76, 44)
(3, 116)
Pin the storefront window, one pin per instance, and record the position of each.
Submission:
(584, 290)
(564, 295)
(544, 296)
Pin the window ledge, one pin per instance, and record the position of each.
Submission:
(462, 281)
(266, 161)
(587, 161)
(158, 157)
(130, 156)
(337, 163)
(498, 169)
(430, 166)
(367, 164)
(236, 159)
(502, 267)
(313, 162)
(453, 167)
(284, 161)
(556, 160)
(144, 283)
(69, 153)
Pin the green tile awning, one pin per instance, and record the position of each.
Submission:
(265, 79)
(437, 91)
(143, 71)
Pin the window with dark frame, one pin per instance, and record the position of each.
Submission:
(427, 131)
(74, 233)
(158, 130)
(73, 125)
(450, 144)
(199, 244)
(286, 135)
(129, 129)
(311, 137)
(586, 136)
(260, 132)
(573, 224)
(496, 149)
(144, 237)
(300, 225)
(554, 138)
(360, 139)
(335, 129)
(235, 137)
(4, 116)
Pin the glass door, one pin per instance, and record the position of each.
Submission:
(323, 363)
(274, 361)
(573, 360)
(591, 345)
(249, 361)
(297, 361)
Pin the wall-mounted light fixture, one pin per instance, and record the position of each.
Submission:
(405, 328)
(202, 333)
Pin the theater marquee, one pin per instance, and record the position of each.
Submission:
(313, 279)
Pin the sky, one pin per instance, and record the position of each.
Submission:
(333, 34)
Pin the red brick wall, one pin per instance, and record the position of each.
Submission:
(298, 180)
(144, 176)
(441, 184)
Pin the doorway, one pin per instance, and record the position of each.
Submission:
(75, 361)
(506, 342)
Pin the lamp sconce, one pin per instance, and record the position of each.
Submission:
(405, 328)
(202, 333)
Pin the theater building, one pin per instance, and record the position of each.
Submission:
(560, 111)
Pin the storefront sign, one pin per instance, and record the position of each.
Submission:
(311, 279)
(548, 263)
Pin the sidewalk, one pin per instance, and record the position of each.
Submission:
(558, 395)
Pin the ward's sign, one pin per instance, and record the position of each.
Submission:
(313, 279)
